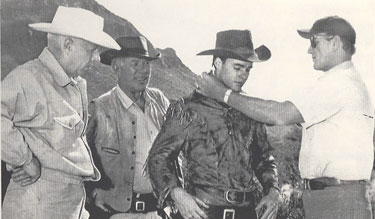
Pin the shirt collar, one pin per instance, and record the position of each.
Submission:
(54, 67)
(124, 98)
(338, 68)
(342, 66)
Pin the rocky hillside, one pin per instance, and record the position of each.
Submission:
(20, 44)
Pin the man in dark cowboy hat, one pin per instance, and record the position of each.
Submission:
(124, 123)
(337, 119)
(225, 154)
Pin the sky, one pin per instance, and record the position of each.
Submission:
(190, 26)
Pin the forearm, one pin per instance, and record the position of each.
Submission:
(265, 111)
(14, 149)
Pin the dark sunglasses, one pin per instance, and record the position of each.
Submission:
(314, 38)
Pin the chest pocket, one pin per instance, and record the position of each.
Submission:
(69, 121)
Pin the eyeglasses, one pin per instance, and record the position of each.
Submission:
(314, 38)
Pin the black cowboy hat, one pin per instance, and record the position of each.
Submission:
(237, 44)
(130, 46)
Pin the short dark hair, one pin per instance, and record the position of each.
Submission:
(348, 46)
(223, 59)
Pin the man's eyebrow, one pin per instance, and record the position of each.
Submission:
(239, 65)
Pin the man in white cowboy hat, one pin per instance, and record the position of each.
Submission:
(123, 125)
(43, 120)
(337, 117)
(226, 155)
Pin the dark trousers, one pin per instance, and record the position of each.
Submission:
(337, 202)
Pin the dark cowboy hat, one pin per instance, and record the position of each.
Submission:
(130, 46)
(237, 44)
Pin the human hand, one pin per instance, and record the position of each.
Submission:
(189, 207)
(210, 86)
(98, 201)
(28, 173)
(271, 204)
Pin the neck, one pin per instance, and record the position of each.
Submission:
(136, 96)
(339, 58)
(63, 62)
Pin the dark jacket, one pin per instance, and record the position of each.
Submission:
(222, 148)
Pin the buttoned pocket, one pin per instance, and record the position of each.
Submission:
(69, 121)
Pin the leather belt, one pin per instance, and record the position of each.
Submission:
(232, 196)
(323, 182)
(143, 203)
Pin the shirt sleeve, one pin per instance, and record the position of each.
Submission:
(320, 102)
(165, 151)
(15, 110)
(263, 161)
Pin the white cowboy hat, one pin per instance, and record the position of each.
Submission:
(80, 23)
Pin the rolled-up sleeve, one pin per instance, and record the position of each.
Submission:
(165, 151)
(14, 109)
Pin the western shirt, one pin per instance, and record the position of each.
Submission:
(146, 132)
(220, 147)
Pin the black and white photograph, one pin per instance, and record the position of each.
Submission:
(187, 109)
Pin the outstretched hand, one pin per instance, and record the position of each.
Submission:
(210, 86)
(271, 204)
(190, 207)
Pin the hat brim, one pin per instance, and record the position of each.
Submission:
(305, 33)
(106, 57)
(97, 37)
(261, 54)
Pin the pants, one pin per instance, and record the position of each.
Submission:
(337, 202)
(45, 199)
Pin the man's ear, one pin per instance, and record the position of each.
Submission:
(218, 63)
(336, 42)
(68, 44)
(115, 65)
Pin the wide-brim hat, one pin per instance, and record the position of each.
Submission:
(237, 44)
(332, 25)
(135, 46)
(79, 23)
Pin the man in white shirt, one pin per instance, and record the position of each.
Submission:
(337, 117)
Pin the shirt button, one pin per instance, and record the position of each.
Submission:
(132, 168)
(133, 122)
(134, 137)
(128, 199)
(130, 183)
(133, 152)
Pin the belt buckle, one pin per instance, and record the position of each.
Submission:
(228, 213)
(140, 206)
(226, 194)
(307, 184)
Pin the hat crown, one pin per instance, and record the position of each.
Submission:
(334, 25)
(74, 18)
(239, 41)
(133, 44)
